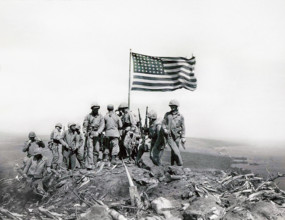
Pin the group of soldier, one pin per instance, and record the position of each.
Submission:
(117, 135)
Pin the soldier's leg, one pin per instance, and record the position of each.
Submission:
(158, 149)
(89, 156)
(175, 151)
(106, 148)
(141, 151)
(80, 156)
(96, 150)
(72, 160)
(60, 156)
(54, 150)
(66, 158)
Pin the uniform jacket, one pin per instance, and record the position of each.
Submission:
(154, 129)
(30, 147)
(173, 123)
(71, 139)
(55, 136)
(112, 125)
(93, 123)
(130, 140)
(128, 120)
(36, 168)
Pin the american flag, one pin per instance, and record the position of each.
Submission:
(163, 73)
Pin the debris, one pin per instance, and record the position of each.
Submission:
(160, 205)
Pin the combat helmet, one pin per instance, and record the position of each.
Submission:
(32, 134)
(123, 105)
(58, 125)
(95, 105)
(152, 114)
(174, 102)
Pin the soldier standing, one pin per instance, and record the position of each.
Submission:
(32, 144)
(129, 124)
(174, 131)
(80, 149)
(56, 146)
(157, 142)
(71, 143)
(113, 124)
(93, 127)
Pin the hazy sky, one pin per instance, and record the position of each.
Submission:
(56, 57)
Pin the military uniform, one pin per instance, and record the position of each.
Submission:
(80, 149)
(31, 146)
(35, 169)
(130, 142)
(71, 143)
(93, 126)
(112, 134)
(174, 129)
(56, 148)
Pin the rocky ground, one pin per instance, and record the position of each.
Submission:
(167, 192)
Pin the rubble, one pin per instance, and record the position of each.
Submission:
(166, 192)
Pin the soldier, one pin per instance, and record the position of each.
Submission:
(71, 143)
(80, 150)
(31, 145)
(129, 124)
(113, 124)
(174, 131)
(55, 146)
(154, 133)
(35, 170)
(130, 143)
(93, 127)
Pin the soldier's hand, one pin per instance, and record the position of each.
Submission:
(183, 140)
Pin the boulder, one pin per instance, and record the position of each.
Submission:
(162, 206)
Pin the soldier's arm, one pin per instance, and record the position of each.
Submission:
(102, 125)
(63, 140)
(28, 164)
(26, 146)
(85, 124)
(164, 124)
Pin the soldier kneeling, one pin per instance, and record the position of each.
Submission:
(35, 170)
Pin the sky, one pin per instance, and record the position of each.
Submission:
(59, 56)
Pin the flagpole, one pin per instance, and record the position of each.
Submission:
(129, 94)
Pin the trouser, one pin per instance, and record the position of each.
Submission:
(112, 146)
(93, 151)
(80, 156)
(69, 158)
(157, 149)
(36, 185)
(56, 150)
(175, 153)
(143, 148)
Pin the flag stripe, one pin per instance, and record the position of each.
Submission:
(163, 73)
(141, 78)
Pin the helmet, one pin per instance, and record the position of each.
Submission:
(152, 114)
(78, 127)
(58, 125)
(110, 107)
(71, 124)
(174, 102)
(123, 105)
(32, 134)
(37, 151)
(95, 105)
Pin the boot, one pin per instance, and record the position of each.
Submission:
(113, 160)
(105, 158)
